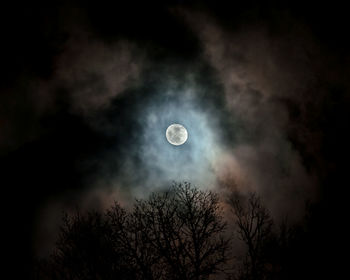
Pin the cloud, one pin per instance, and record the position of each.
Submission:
(259, 72)
(94, 72)
(237, 97)
(87, 75)
(237, 119)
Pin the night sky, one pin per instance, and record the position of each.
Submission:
(88, 89)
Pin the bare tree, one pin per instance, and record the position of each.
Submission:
(176, 234)
(254, 227)
(85, 250)
(185, 228)
(130, 231)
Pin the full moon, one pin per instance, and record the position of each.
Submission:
(176, 134)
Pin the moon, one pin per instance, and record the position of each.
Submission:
(176, 134)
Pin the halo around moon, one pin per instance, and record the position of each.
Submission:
(176, 134)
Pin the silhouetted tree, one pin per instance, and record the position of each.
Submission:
(184, 228)
(254, 227)
(130, 231)
(85, 250)
(177, 234)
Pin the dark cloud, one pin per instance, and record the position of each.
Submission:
(83, 122)
(258, 72)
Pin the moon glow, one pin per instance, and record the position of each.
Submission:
(176, 134)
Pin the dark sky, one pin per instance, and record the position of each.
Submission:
(88, 89)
